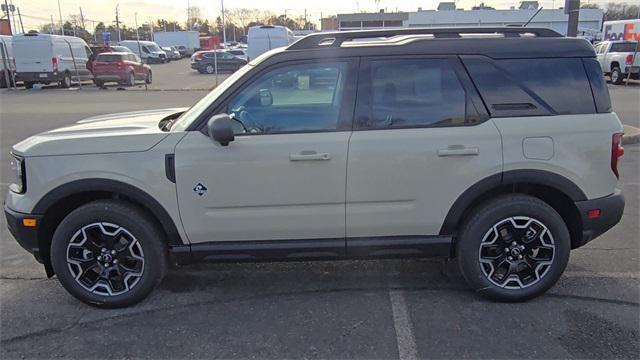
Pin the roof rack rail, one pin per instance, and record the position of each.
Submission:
(335, 39)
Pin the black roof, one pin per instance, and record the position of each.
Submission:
(495, 42)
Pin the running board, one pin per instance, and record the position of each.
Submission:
(314, 249)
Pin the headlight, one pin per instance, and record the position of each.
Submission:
(18, 183)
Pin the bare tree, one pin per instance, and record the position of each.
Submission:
(242, 17)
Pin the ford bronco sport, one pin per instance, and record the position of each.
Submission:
(495, 146)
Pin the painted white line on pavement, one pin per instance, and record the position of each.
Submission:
(404, 330)
(614, 275)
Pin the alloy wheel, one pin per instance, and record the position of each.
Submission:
(105, 259)
(517, 252)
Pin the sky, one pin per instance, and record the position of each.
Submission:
(38, 12)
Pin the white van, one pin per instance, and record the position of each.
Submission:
(266, 37)
(148, 51)
(44, 58)
(7, 61)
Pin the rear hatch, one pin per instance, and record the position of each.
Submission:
(108, 63)
(33, 54)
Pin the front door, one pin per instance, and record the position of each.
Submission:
(284, 176)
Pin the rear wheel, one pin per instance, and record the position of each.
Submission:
(616, 76)
(210, 69)
(28, 85)
(513, 248)
(66, 81)
(108, 254)
(99, 83)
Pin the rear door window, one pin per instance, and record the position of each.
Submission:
(406, 93)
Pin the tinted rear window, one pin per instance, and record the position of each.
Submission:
(623, 47)
(529, 87)
(108, 58)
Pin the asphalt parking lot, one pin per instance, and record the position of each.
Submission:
(403, 309)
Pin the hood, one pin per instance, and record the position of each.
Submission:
(123, 132)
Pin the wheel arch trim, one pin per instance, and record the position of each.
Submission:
(118, 188)
(512, 177)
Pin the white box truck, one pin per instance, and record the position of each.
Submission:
(187, 42)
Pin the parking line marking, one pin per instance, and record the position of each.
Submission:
(407, 349)
(613, 275)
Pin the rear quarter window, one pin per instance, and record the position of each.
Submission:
(530, 87)
(623, 47)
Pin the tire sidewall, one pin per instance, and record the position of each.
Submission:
(616, 74)
(486, 217)
(139, 226)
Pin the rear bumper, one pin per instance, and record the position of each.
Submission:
(633, 69)
(39, 76)
(611, 208)
(27, 237)
(111, 77)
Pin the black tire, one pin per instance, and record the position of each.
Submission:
(149, 78)
(488, 221)
(65, 83)
(28, 85)
(99, 83)
(130, 222)
(617, 78)
(131, 79)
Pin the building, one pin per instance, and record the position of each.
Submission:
(329, 24)
(556, 19)
(446, 6)
(379, 20)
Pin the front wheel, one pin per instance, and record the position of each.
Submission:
(149, 78)
(108, 254)
(131, 79)
(513, 248)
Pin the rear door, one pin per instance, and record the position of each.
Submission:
(418, 143)
(33, 54)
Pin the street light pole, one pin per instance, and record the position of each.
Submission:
(224, 32)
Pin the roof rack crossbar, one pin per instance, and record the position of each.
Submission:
(335, 39)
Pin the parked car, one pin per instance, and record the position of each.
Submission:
(206, 62)
(618, 58)
(101, 48)
(184, 52)
(148, 51)
(172, 53)
(121, 67)
(239, 53)
(7, 62)
(45, 59)
(333, 148)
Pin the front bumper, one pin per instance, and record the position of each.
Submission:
(611, 208)
(27, 237)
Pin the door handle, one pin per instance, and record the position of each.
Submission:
(459, 150)
(310, 156)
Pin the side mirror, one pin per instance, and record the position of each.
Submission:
(220, 129)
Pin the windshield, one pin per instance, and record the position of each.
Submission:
(154, 47)
(183, 122)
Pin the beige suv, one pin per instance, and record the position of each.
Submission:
(495, 146)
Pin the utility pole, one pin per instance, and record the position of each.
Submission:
(572, 7)
(118, 21)
(60, 14)
(82, 19)
(224, 32)
(188, 17)
(20, 18)
(6, 7)
(52, 26)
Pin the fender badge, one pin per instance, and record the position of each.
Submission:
(200, 189)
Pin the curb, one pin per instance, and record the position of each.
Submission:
(631, 135)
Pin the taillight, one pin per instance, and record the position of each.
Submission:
(120, 64)
(54, 63)
(629, 59)
(616, 152)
